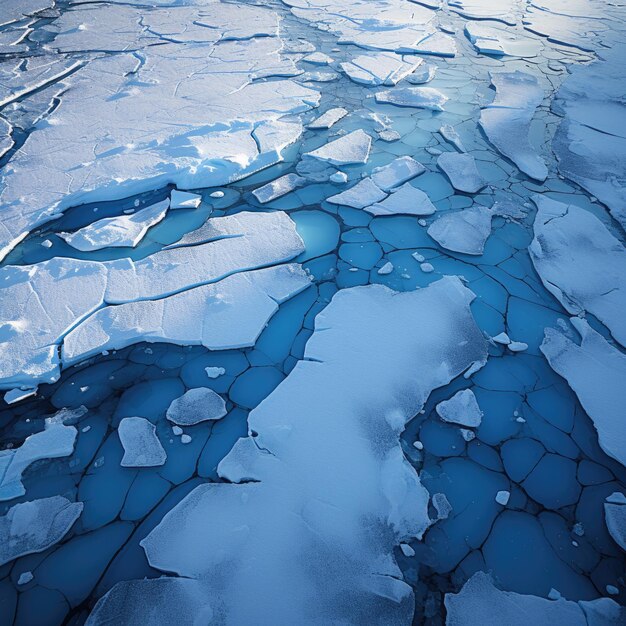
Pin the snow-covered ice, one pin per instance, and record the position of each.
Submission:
(399, 171)
(278, 188)
(462, 171)
(463, 231)
(404, 200)
(142, 447)
(384, 68)
(462, 408)
(195, 406)
(328, 119)
(351, 148)
(184, 200)
(363, 194)
(417, 97)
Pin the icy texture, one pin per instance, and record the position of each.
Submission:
(462, 408)
(462, 172)
(278, 188)
(56, 441)
(464, 231)
(142, 447)
(405, 200)
(329, 118)
(366, 367)
(195, 406)
(506, 121)
(364, 193)
(184, 200)
(385, 68)
(481, 602)
(500, 41)
(117, 232)
(588, 276)
(596, 371)
(503, 10)
(615, 516)
(35, 526)
(399, 171)
(351, 148)
(418, 97)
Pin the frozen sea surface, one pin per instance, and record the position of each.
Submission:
(312, 312)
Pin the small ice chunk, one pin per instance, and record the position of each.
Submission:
(186, 200)
(442, 506)
(177, 430)
(462, 408)
(351, 148)
(468, 435)
(387, 268)
(464, 231)
(339, 177)
(553, 594)
(318, 58)
(328, 119)
(363, 194)
(502, 338)
(216, 194)
(417, 97)
(612, 590)
(123, 231)
(214, 372)
(383, 68)
(278, 188)
(406, 200)
(427, 268)
(418, 257)
(418, 445)
(34, 526)
(142, 447)
(462, 172)
(389, 135)
(46, 243)
(16, 395)
(615, 518)
(185, 439)
(423, 74)
(25, 577)
(502, 497)
(450, 134)
(195, 406)
(500, 41)
(397, 172)
(407, 550)
(517, 346)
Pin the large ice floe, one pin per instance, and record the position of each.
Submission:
(304, 542)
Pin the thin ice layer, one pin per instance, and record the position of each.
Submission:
(580, 262)
(307, 544)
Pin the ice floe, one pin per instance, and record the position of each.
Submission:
(142, 447)
(298, 502)
(503, 11)
(117, 232)
(417, 97)
(278, 188)
(384, 68)
(328, 119)
(351, 148)
(462, 408)
(615, 517)
(363, 194)
(499, 40)
(406, 200)
(184, 200)
(399, 171)
(195, 406)
(580, 262)
(506, 121)
(30, 527)
(462, 171)
(464, 231)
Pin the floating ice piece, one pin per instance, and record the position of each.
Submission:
(517, 346)
(464, 231)
(142, 447)
(195, 406)
(339, 177)
(56, 441)
(506, 121)
(615, 518)
(480, 602)
(462, 408)
(122, 231)
(399, 171)
(423, 74)
(407, 550)
(442, 506)
(185, 200)
(214, 372)
(502, 338)
(503, 11)
(502, 497)
(328, 119)
(19, 9)
(449, 133)
(216, 194)
(185, 439)
(25, 578)
(351, 148)
(468, 435)
(588, 276)
(278, 188)
(418, 97)
(501, 41)
(16, 395)
(225, 315)
(385, 337)
(427, 268)
(318, 58)
(34, 526)
(363, 194)
(462, 172)
(387, 268)
(405, 200)
(384, 68)
(596, 371)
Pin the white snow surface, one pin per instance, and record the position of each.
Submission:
(384, 68)
(195, 406)
(306, 543)
(351, 148)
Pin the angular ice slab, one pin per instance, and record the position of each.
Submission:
(328, 119)
(184, 200)
(462, 408)
(117, 232)
(364, 193)
(480, 602)
(311, 541)
(142, 447)
(581, 263)
(502, 10)
(34, 526)
(462, 172)
(464, 231)
(278, 188)
(596, 371)
(228, 314)
(195, 406)
(417, 97)
(506, 121)
(615, 518)
(399, 171)
(406, 200)
(55, 442)
(113, 129)
(384, 68)
(351, 148)
(501, 41)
